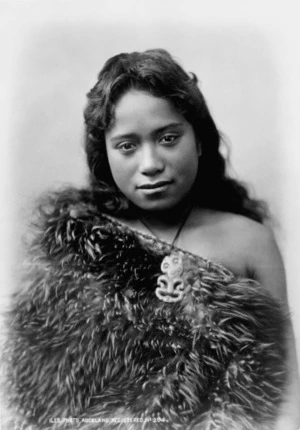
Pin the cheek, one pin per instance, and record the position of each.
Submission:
(116, 168)
(121, 170)
(187, 164)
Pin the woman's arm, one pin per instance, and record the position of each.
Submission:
(267, 266)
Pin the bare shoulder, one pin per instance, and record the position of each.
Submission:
(252, 233)
(261, 253)
(255, 238)
(247, 247)
(239, 228)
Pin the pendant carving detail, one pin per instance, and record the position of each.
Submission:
(171, 288)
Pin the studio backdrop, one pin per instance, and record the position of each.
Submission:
(247, 68)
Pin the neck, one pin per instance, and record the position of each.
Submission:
(169, 218)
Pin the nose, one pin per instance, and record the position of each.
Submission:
(151, 163)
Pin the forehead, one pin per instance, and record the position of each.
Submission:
(140, 109)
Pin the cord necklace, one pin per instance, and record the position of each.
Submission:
(170, 284)
(179, 230)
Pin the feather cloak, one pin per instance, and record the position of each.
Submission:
(91, 346)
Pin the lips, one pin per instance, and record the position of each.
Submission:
(153, 186)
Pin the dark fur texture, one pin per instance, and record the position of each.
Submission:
(89, 339)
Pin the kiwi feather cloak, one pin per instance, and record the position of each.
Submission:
(91, 346)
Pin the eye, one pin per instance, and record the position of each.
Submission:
(126, 147)
(169, 138)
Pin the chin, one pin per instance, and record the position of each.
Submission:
(157, 206)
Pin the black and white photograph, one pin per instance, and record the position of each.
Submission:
(149, 218)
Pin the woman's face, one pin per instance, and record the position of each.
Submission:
(152, 151)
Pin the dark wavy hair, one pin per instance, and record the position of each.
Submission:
(156, 72)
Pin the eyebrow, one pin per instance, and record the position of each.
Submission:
(154, 133)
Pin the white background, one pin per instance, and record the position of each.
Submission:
(246, 55)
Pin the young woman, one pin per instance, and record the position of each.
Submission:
(156, 297)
